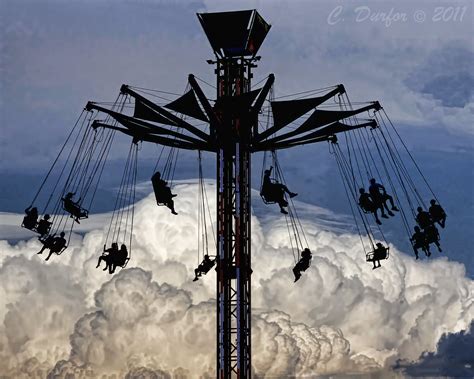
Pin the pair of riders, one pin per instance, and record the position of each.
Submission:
(427, 233)
(30, 221)
(73, 207)
(113, 257)
(273, 191)
(376, 199)
(379, 253)
(162, 191)
(54, 244)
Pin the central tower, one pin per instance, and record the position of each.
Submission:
(235, 38)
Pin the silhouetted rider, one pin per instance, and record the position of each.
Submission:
(275, 191)
(423, 218)
(419, 241)
(54, 244)
(303, 263)
(380, 196)
(73, 207)
(162, 191)
(366, 203)
(380, 252)
(31, 218)
(437, 213)
(44, 225)
(204, 267)
(107, 256)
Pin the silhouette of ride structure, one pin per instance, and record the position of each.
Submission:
(380, 177)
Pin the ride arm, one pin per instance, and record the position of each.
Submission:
(307, 126)
(163, 112)
(158, 139)
(272, 130)
(263, 94)
(326, 133)
(203, 100)
(140, 126)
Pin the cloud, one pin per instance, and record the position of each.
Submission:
(453, 357)
(150, 318)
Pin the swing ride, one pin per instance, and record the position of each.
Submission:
(243, 119)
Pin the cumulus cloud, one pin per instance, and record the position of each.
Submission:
(453, 357)
(150, 320)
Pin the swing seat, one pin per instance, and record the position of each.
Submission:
(267, 199)
(29, 225)
(75, 210)
(373, 255)
(162, 195)
(61, 251)
(43, 241)
(125, 263)
(205, 267)
(272, 197)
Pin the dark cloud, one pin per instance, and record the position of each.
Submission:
(454, 357)
(447, 74)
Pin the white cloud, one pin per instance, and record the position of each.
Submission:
(341, 317)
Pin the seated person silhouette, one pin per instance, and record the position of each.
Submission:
(204, 267)
(380, 196)
(73, 207)
(54, 244)
(432, 236)
(423, 218)
(437, 213)
(303, 263)
(44, 225)
(107, 256)
(380, 252)
(162, 191)
(31, 218)
(273, 191)
(366, 203)
(119, 260)
(418, 240)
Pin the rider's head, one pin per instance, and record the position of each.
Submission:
(432, 201)
(115, 245)
(361, 190)
(47, 216)
(379, 244)
(123, 247)
(372, 181)
(62, 234)
(267, 172)
(417, 229)
(419, 209)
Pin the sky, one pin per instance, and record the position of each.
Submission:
(415, 57)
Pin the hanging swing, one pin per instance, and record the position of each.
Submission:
(268, 178)
(378, 251)
(206, 263)
(120, 230)
(163, 181)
